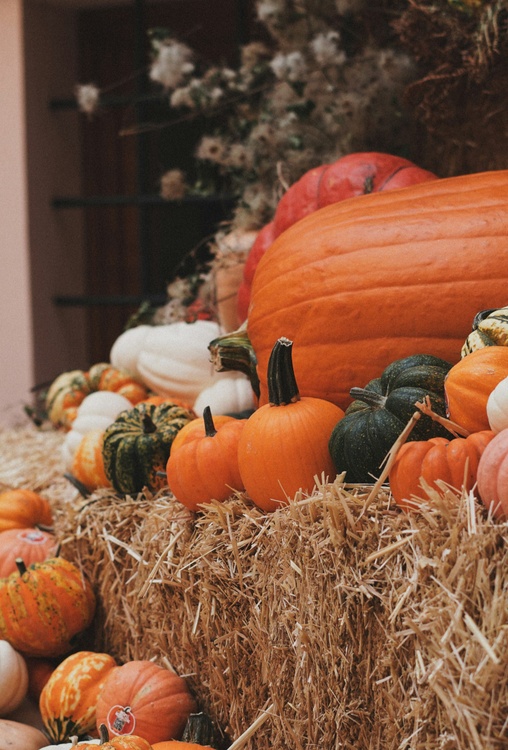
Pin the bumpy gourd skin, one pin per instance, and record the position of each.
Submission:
(42, 609)
(361, 440)
(137, 445)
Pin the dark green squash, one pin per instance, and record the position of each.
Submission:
(137, 445)
(361, 440)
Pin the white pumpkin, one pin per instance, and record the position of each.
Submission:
(13, 679)
(497, 407)
(229, 395)
(175, 360)
(96, 412)
(126, 349)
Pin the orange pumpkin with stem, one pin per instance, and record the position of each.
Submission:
(140, 697)
(454, 462)
(119, 742)
(469, 384)
(284, 443)
(67, 701)
(206, 468)
(44, 606)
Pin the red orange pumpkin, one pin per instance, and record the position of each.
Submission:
(31, 545)
(369, 280)
(493, 476)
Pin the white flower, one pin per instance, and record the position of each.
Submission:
(268, 9)
(171, 64)
(87, 96)
(325, 48)
(290, 67)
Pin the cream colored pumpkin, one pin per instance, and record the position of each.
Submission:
(13, 678)
(127, 347)
(230, 395)
(15, 735)
(175, 361)
(497, 407)
(96, 412)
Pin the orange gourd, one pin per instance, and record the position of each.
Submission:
(68, 699)
(141, 697)
(88, 462)
(31, 544)
(119, 742)
(43, 607)
(469, 384)
(454, 462)
(21, 508)
(206, 468)
(493, 476)
(284, 443)
(363, 282)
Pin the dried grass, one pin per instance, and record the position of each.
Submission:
(321, 625)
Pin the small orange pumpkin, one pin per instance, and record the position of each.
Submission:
(206, 468)
(469, 384)
(143, 698)
(44, 606)
(88, 462)
(123, 742)
(196, 429)
(453, 461)
(68, 699)
(31, 544)
(21, 508)
(284, 443)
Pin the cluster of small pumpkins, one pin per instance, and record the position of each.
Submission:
(46, 607)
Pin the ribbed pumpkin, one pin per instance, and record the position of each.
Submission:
(136, 446)
(492, 476)
(352, 175)
(206, 468)
(20, 508)
(142, 698)
(44, 606)
(284, 444)
(470, 382)
(124, 742)
(361, 440)
(88, 462)
(454, 462)
(68, 699)
(31, 545)
(379, 277)
(69, 389)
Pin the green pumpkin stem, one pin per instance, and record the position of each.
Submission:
(234, 351)
(20, 566)
(282, 387)
(210, 430)
(148, 424)
(368, 397)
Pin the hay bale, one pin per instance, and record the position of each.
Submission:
(351, 628)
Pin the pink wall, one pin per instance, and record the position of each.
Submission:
(41, 249)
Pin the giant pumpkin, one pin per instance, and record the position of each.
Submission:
(363, 282)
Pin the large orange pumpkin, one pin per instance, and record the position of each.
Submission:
(379, 277)
(142, 698)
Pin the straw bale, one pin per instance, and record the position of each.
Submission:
(340, 626)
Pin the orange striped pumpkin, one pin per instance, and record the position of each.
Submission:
(68, 699)
(375, 278)
(44, 606)
(20, 508)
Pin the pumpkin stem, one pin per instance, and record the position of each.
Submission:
(282, 387)
(368, 397)
(20, 566)
(148, 424)
(103, 734)
(234, 351)
(210, 430)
